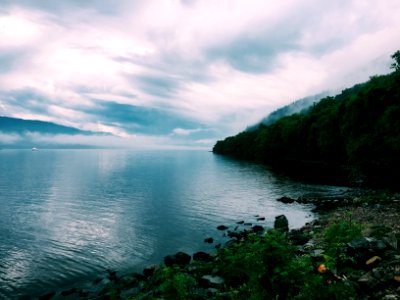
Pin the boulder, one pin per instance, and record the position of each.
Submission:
(69, 292)
(261, 219)
(285, 200)
(149, 270)
(257, 228)
(363, 248)
(298, 238)
(209, 240)
(281, 223)
(207, 281)
(202, 256)
(47, 296)
(222, 227)
(180, 259)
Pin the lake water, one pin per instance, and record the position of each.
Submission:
(68, 215)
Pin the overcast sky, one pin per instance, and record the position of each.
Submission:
(183, 72)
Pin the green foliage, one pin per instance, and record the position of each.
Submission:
(396, 58)
(357, 132)
(336, 236)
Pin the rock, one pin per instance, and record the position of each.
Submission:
(361, 249)
(257, 228)
(240, 222)
(285, 200)
(261, 219)
(209, 240)
(130, 280)
(97, 280)
(297, 237)
(180, 258)
(281, 223)
(68, 292)
(130, 293)
(112, 275)
(149, 270)
(217, 246)
(47, 296)
(211, 281)
(391, 297)
(302, 200)
(222, 227)
(247, 224)
(236, 235)
(391, 240)
(202, 256)
(368, 281)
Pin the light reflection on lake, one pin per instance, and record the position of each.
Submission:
(67, 215)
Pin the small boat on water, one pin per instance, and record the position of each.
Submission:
(35, 149)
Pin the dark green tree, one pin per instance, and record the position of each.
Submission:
(396, 64)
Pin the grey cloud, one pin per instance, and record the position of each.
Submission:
(161, 86)
(26, 99)
(254, 54)
(140, 119)
(100, 6)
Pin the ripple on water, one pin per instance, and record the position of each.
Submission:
(67, 215)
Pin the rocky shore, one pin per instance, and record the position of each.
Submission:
(350, 251)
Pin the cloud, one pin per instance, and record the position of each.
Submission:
(6, 138)
(150, 67)
(185, 132)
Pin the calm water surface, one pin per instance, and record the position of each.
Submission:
(68, 215)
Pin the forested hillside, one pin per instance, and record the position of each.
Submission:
(356, 134)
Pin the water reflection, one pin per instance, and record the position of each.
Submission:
(67, 215)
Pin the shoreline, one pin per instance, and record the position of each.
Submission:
(368, 209)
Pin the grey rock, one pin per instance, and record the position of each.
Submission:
(281, 223)
(180, 259)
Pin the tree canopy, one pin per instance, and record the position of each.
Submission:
(357, 131)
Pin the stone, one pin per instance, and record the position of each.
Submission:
(47, 296)
(368, 281)
(209, 240)
(363, 248)
(261, 219)
(210, 280)
(112, 275)
(222, 227)
(281, 223)
(257, 228)
(285, 200)
(129, 280)
(297, 237)
(202, 256)
(149, 270)
(240, 222)
(68, 292)
(180, 259)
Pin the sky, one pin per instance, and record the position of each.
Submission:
(182, 73)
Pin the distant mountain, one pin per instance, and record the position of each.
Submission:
(287, 110)
(21, 126)
(25, 134)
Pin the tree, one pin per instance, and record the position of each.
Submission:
(396, 64)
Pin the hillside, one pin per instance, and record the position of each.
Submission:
(20, 126)
(20, 133)
(354, 136)
(287, 110)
